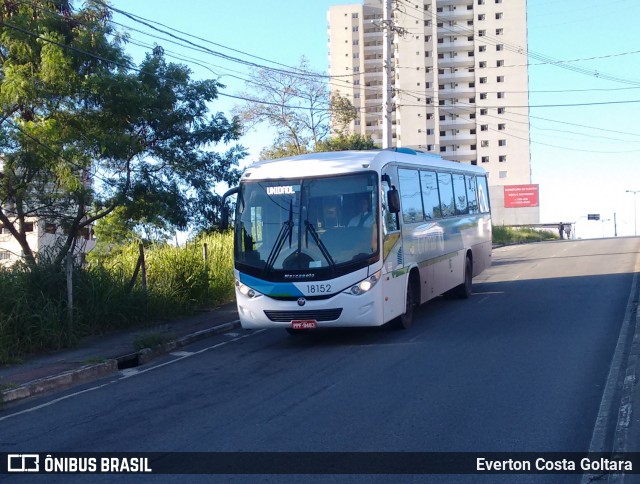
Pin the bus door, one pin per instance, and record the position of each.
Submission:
(393, 273)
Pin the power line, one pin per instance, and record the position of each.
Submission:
(292, 71)
(375, 109)
(532, 106)
(505, 133)
(200, 49)
(524, 51)
(141, 71)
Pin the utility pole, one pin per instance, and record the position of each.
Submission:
(635, 211)
(387, 33)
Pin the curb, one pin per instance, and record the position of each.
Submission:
(93, 372)
(63, 380)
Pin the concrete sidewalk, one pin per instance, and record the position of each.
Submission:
(99, 356)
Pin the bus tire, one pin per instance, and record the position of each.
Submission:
(405, 320)
(464, 290)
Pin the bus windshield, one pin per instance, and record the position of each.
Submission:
(307, 227)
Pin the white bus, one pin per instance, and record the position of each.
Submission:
(356, 238)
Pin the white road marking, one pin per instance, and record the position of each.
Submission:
(129, 373)
(33, 409)
(617, 366)
(181, 353)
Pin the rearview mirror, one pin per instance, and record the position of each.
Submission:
(224, 222)
(393, 200)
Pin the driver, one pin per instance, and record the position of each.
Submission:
(364, 217)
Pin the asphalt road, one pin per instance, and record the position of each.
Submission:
(520, 366)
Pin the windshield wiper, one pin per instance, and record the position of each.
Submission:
(285, 231)
(323, 248)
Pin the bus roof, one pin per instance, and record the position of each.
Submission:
(333, 162)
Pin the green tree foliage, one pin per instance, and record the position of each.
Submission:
(85, 132)
(346, 142)
(343, 113)
(281, 151)
(113, 233)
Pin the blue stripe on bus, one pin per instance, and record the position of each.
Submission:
(273, 289)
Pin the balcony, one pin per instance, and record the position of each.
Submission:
(459, 45)
(461, 108)
(457, 29)
(457, 123)
(462, 138)
(462, 90)
(460, 155)
(373, 46)
(373, 60)
(458, 75)
(457, 3)
(373, 113)
(460, 14)
(460, 61)
(370, 34)
(373, 71)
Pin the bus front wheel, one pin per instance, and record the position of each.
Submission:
(404, 320)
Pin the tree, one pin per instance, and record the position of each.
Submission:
(281, 151)
(349, 142)
(343, 113)
(85, 132)
(293, 102)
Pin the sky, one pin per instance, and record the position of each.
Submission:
(584, 82)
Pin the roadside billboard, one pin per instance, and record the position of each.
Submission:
(521, 196)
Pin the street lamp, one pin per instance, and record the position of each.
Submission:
(635, 211)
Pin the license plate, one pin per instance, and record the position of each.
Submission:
(304, 324)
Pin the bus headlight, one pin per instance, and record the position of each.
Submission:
(365, 285)
(246, 290)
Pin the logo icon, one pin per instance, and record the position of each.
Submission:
(23, 463)
(302, 301)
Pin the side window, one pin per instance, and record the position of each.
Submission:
(483, 194)
(446, 195)
(430, 196)
(460, 192)
(410, 196)
(472, 193)
(390, 220)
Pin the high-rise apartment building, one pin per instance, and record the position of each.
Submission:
(460, 82)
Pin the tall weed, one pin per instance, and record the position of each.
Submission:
(33, 303)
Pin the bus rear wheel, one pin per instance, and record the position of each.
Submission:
(464, 290)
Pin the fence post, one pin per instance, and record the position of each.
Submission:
(143, 269)
(140, 266)
(205, 256)
(69, 273)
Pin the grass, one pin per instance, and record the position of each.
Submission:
(33, 306)
(151, 340)
(509, 235)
